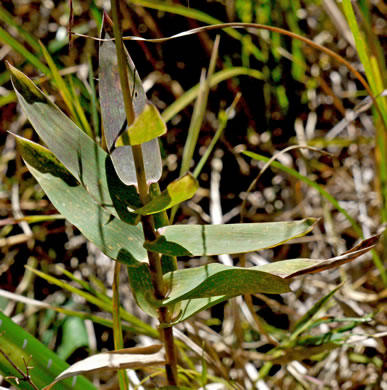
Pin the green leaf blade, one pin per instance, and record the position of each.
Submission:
(112, 236)
(114, 116)
(210, 240)
(176, 192)
(19, 344)
(147, 126)
(83, 158)
(216, 280)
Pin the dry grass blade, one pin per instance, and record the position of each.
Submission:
(113, 361)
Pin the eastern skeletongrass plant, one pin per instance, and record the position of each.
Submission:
(114, 199)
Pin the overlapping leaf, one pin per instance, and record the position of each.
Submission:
(176, 192)
(83, 158)
(147, 126)
(202, 240)
(114, 116)
(115, 238)
(202, 287)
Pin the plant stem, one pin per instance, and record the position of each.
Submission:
(147, 221)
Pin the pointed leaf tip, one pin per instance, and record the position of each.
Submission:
(24, 86)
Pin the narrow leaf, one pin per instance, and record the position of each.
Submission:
(113, 361)
(114, 117)
(19, 344)
(310, 183)
(211, 240)
(217, 282)
(147, 126)
(178, 191)
(113, 237)
(85, 160)
(307, 318)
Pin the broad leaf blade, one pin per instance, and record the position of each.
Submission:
(115, 238)
(114, 117)
(211, 240)
(176, 192)
(85, 160)
(215, 280)
(147, 126)
(115, 360)
(19, 344)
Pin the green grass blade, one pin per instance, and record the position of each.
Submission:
(308, 318)
(189, 96)
(377, 261)
(8, 39)
(18, 345)
(223, 119)
(102, 304)
(310, 183)
(117, 328)
(187, 12)
(372, 73)
(8, 19)
(199, 111)
(60, 84)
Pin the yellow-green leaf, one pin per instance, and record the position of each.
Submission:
(176, 192)
(147, 126)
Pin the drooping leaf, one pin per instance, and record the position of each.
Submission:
(19, 344)
(115, 238)
(82, 157)
(202, 287)
(115, 360)
(201, 240)
(147, 126)
(114, 116)
(290, 268)
(176, 192)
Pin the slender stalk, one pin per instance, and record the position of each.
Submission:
(117, 329)
(147, 221)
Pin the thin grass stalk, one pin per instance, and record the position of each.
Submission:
(117, 328)
(147, 221)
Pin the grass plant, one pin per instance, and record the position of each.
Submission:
(101, 169)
